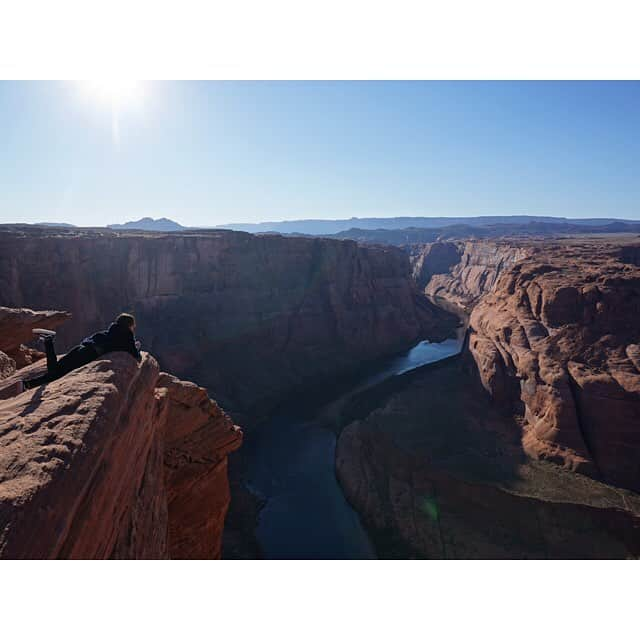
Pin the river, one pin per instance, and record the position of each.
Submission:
(291, 467)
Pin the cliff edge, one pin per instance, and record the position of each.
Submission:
(114, 460)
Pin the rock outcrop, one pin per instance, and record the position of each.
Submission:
(462, 272)
(249, 317)
(557, 341)
(114, 460)
(15, 330)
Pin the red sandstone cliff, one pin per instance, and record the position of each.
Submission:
(114, 460)
(555, 336)
(558, 340)
(249, 317)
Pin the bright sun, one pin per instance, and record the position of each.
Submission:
(116, 96)
(116, 93)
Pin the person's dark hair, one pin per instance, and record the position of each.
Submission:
(126, 320)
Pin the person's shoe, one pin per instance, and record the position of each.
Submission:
(44, 334)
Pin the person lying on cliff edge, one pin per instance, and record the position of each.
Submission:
(120, 336)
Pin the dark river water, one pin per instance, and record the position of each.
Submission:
(291, 463)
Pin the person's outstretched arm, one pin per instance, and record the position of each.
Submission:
(133, 347)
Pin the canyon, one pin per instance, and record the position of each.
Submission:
(520, 443)
(123, 461)
(527, 444)
(251, 318)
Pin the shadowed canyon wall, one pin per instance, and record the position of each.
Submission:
(249, 317)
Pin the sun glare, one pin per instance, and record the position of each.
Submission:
(116, 93)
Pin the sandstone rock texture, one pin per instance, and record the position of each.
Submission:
(249, 317)
(557, 340)
(15, 329)
(461, 272)
(114, 460)
(438, 471)
(528, 445)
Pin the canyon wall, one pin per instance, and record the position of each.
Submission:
(558, 341)
(461, 272)
(249, 317)
(114, 460)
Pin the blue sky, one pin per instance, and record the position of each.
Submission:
(206, 153)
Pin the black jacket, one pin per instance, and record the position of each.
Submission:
(116, 338)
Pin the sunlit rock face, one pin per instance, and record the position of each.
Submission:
(114, 460)
(554, 334)
(462, 272)
(249, 317)
(559, 337)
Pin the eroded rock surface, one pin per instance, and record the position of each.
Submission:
(114, 460)
(558, 340)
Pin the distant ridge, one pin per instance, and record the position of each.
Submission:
(149, 224)
(329, 227)
(418, 235)
(395, 230)
(55, 224)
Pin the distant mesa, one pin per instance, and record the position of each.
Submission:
(149, 224)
